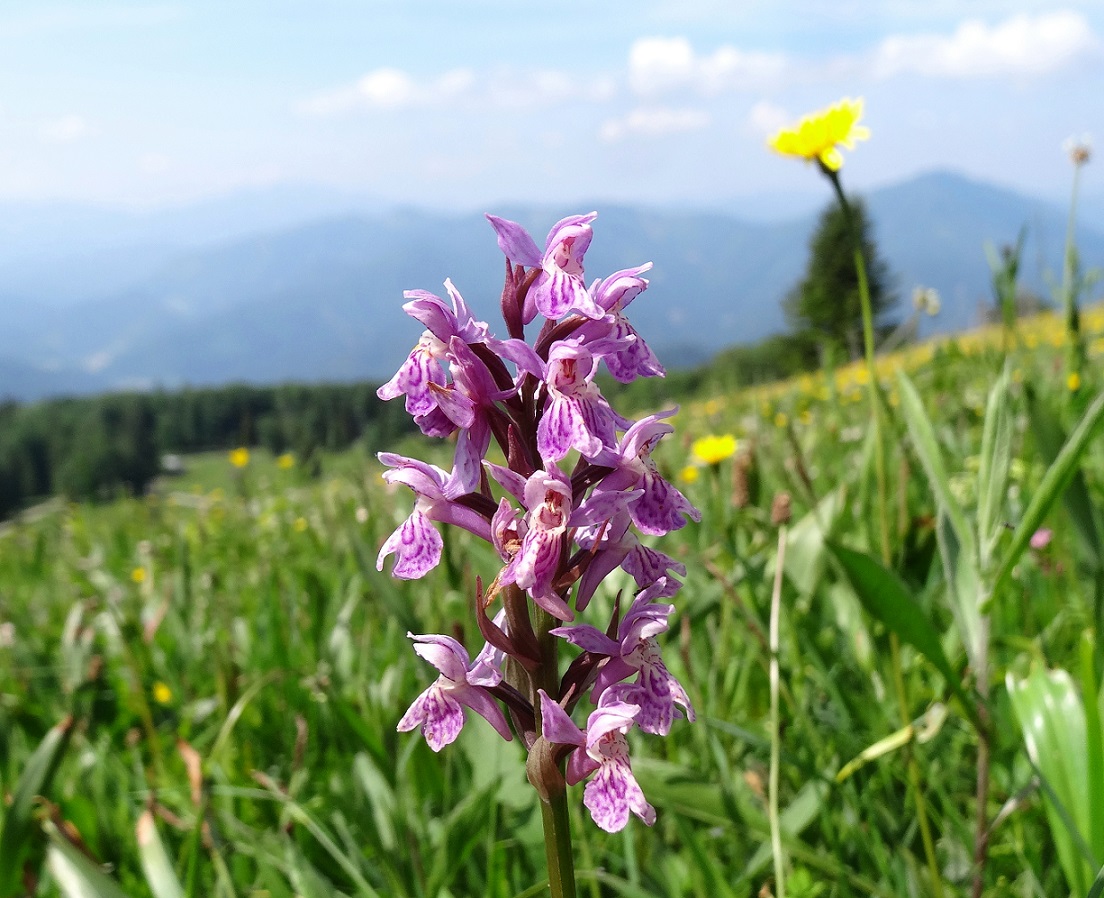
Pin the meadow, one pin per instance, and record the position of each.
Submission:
(199, 688)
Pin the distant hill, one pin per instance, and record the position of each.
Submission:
(319, 300)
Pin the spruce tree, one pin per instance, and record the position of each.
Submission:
(825, 304)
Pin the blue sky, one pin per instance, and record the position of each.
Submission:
(472, 103)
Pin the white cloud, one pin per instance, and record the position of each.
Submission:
(765, 118)
(1022, 44)
(390, 88)
(653, 122)
(66, 129)
(661, 64)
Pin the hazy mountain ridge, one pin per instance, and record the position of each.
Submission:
(320, 300)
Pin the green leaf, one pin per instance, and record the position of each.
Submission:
(76, 875)
(1052, 719)
(156, 865)
(19, 819)
(931, 459)
(992, 481)
(887, 598)
(1054, 483)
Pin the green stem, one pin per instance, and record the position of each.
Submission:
(775, 722)
(1070, 285)
(883, 514)
(554, 811)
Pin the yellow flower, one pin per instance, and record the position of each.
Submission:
(817, 135)
(239, 457)
(285, 461)
(138, 575)
(689, 474)
(300, 525)
(714, 449)
(1073, 382)
(780, 420)
(162, 694)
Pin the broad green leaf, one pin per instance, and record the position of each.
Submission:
(887, 598)
(992, 482)
(1094, 744)
(1049, 437)
(1055, 480)
(1052, 719)
(931, 458)
(34, 781)
(76, 875)
(156, 865)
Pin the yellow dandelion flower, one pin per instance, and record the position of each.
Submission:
(138, 575)
(162, 694)
(285, 462)
(714, 449)
(1073, 382)
(817, 135)
(780, 420)
(300, 525)
(239, 457)
(689, 474)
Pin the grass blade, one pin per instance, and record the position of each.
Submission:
(76, 875)
(1054, 483)
(19, 818)
(1049, 437)
(992, 482)
(886, 598)
(159, 871)
(931, 458)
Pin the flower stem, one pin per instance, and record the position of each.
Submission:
(554, 812)
(876, 414)
(775, 722)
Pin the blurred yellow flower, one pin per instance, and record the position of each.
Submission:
(689, 474)
(1073, 382)
(239, 457)
(300, 525)
(138, 575)
(162, 694)
(714, 449)
(817, 135)
(780, 420)
(285, 461)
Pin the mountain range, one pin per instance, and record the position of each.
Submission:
(306, 285)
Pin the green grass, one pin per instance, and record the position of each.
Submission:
(262, 647)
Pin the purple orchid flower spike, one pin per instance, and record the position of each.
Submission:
(559, 287)
(635, 650)
(576, 415)
(416, 543)
(662, 508)
(558, 535)
(602, 750)
(439, 710)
